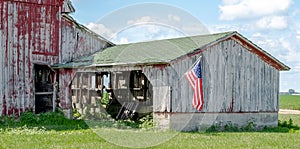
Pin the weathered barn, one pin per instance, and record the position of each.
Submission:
(35, 34)
(240, 80)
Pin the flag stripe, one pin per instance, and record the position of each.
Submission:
(194, 77)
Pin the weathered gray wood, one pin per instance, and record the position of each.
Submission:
(161, 98)
(235, 80)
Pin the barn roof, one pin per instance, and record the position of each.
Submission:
(164, 51)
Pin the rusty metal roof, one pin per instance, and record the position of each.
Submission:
(162, 52)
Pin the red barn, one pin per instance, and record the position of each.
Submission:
(35, 34)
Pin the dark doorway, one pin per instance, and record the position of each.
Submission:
(44, 79)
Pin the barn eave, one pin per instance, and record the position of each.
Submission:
(82, 27)
(268, 58)
(191, 46)
(265, 56)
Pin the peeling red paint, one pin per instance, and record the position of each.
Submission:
(161, 66)
(4, 109)
(30, 35)
(35, 32)
(231, 105)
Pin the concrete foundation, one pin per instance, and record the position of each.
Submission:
(202, 121)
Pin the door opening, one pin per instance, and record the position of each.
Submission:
(44, 79)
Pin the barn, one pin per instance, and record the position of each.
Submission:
(240, 81)
(34, 35)
(49, 60)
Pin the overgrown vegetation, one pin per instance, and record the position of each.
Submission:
(283, 126)
(57, 121)
(104, 120)
(14, 134)
(52, 120)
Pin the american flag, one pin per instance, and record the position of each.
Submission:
(194, 77)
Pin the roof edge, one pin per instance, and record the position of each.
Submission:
(204, 47)
(68, 17)
(268, 58)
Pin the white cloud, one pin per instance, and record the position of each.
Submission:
(100, 29)
(257, 35)
(174, 18)
(229, 27)
(268, 42)
(123, 40)
(146, 19)
(244, 9)
(297, 68)
(291, 55)
(298, 34)
(230, 2)
(272, 22)
(143, 19)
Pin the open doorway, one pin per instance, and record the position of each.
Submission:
(122, 94)
(136, 94)
(43, 79)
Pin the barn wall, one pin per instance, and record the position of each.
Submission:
(36, 32)
(77, 41)
(164, 80)
(28, 36)
(234, 80)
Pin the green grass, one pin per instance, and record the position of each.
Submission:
(52, 130)
(286, 117)
(289, 102)
(23, 137)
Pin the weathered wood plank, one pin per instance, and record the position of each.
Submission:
(161, 98)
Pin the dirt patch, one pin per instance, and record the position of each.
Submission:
(288, 111)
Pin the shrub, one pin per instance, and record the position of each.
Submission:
(146, 121)
(28, 118)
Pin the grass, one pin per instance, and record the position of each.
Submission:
(290, 102)
(286, 117)
(54, 131)
(40, 137)
(88, 139)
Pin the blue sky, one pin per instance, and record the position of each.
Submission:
(273, 25)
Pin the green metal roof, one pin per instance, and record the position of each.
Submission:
(151, 52)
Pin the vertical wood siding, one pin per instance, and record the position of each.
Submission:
(36, 32)
(28, 35)
(76, 41)
(234, 80)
